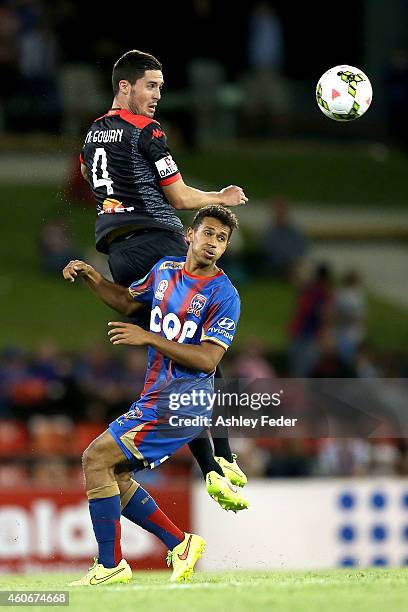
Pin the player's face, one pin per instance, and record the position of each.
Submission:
(209, 240)
(145, 94)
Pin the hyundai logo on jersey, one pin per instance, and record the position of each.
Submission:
(226, 323)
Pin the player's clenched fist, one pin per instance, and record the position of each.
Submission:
(233, 196)
(75, 267)
(126, 333)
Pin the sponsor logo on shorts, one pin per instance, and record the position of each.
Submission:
(161, 289)
(197, 304)
(133, 413)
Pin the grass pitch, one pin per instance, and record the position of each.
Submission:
(368, 590)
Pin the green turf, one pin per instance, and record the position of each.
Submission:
(382, 590)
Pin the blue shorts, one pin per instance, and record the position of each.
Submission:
(151, 435)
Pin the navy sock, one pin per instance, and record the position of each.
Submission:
(143, 510)
(105, 516)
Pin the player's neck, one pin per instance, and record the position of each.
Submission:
(118, 104)
(195, 269)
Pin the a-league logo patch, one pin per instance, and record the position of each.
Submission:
(172, 265)
(197, 304)
(161, 289)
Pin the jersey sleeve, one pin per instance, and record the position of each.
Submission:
(221, 321)
(153, 146)
(143, 289)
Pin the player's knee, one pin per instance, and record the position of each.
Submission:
(90, 457)
(123, 479)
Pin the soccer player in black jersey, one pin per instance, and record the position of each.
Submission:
(138, 188)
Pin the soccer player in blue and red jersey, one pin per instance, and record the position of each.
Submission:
(194, 314)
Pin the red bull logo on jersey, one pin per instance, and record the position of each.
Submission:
(161, 289)
(197, 304)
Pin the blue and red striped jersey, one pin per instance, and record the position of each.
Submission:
(188, 309)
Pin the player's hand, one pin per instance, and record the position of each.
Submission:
(233, 196)
(127, 333)
(75, 267)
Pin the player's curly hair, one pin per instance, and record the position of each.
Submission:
(216, 211)
(131, 66)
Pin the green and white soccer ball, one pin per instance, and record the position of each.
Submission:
(344, 93)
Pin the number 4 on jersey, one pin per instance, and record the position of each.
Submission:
(105, 181)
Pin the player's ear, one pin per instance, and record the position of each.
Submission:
(124, 86)
(190, 235)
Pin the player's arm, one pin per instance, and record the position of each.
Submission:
(85, 174)
(115, 296)
(84, 169)
(184, 197)
(204, 357)
(152, 144)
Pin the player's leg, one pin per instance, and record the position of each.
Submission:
(140, 508)
(145, 440)
(222, 451)
(221, 440)
(203, 453)
(184, 549)
(99, 461)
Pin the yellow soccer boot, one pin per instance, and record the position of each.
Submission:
(226, 494)
(184, 556)
(98, 574)
(232, 471)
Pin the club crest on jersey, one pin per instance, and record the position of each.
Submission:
(197, 304)
(161, 289)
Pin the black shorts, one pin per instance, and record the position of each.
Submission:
(131, 257)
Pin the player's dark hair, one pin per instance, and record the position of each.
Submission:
(131, 66)
(216, 211)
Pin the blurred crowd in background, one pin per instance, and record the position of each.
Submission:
(56, 61)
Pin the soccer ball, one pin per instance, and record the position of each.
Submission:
(344, 93)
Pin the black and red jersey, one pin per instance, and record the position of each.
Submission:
(128, 161)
